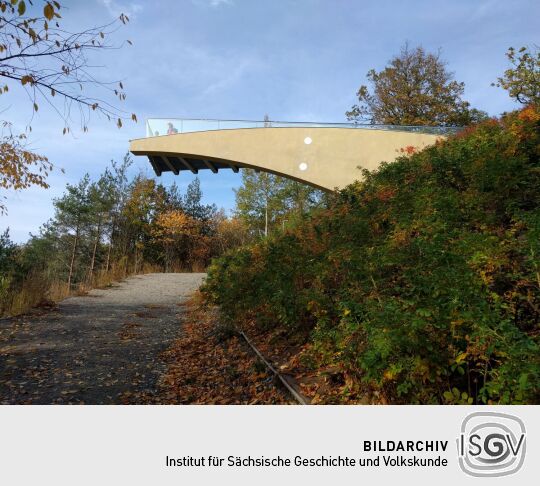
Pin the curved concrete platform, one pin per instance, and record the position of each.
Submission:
(326, 158)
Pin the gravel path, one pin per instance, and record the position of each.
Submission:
(98, 349)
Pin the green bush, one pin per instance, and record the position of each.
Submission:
(423, 281)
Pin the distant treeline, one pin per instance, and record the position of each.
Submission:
(111, 227)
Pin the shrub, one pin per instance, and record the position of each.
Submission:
(423, 281)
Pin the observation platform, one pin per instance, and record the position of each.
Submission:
(327, 156)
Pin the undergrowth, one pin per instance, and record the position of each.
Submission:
(420, 283)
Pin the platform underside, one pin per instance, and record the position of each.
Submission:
(176, 164)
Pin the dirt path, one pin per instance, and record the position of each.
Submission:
(96, 349)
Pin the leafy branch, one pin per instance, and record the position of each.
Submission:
(53, 64)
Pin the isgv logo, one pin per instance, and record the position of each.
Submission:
(491, 444)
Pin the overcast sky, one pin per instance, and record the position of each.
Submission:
(298, 60)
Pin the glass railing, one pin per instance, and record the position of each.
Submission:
(156, 127)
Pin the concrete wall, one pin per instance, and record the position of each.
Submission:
(332, 160)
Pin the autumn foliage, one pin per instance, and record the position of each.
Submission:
(420, 284)
(415, 88)
(20, 168)
(106, 229)
(210, 365)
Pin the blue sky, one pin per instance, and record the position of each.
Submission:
(298, 60)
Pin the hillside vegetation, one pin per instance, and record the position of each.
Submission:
(420, 284)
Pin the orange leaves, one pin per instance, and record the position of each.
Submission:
(529, 114)
(209, 365)
(19, 168)
(173, 224)
(15, 167)
(48, 11)
(385, 194)
(523, 125)
(181, 237)
(409, 150)
(27, 79)
(466, 132)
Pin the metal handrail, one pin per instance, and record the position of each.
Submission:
(183, 125)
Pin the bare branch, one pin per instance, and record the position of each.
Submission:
(54, 63)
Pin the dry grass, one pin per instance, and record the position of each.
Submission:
(37, 290)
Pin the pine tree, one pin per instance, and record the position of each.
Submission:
(72, 215)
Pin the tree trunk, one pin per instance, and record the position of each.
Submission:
(136, 258)
(109, 250)
(299, 199)
(72, 263)
(266, 219)
(94, 250)
(108, 256)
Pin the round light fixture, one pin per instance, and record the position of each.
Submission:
(308, 140)
(302, 166)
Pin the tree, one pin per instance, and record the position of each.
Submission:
(7, 265)
(298, 198)
(52, 65)
(174, 230)
(415, 88)
(7, 249)
(265, 200)
(175, 200)
(101, 198)
(20, 168)
(257, 199)
(192, 205)
(231, 232)
(45, 252)
(137, 216)
(120, 194)
(522, 80)
(72, 215)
